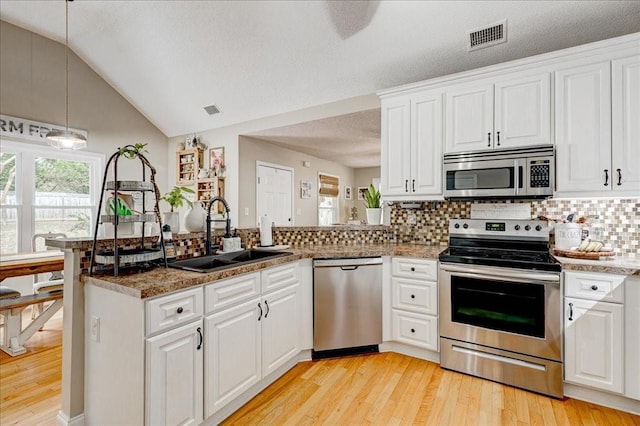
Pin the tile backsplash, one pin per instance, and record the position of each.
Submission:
(429, 224)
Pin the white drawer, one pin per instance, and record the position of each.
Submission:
(221, 294)
(415, 329)
(594, 286)
(414, 268)
(414, 295)
(169, 311)
(280, 276)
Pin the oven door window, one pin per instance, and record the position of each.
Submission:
(512, 307)
(491, 178)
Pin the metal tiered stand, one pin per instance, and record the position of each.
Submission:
(143, 255)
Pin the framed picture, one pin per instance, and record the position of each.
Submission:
(216, 157)
(361, 191)
(305, 189)
(347, 192)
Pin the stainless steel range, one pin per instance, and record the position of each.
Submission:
(500, 304)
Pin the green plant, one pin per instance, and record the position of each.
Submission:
(176, 197)
(372, 198)
(131, 151)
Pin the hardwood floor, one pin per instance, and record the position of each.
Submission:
(30, 383)
(393, 389)
(382, 389)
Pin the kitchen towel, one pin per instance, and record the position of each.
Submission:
(266, 239)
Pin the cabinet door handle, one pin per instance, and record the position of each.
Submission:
(594, 287)
(489, 139)
(260, 307)
(413, 296)
(413, 330)
(180, 310)
(619, 176)
(570, 311)
(498, 138)
(267, 305)
(413, 269)
(413, 185)
(406, 185)
(606, 177)
(199, 330)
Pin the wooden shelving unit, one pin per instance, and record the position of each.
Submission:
(208, 188)
(188, 165)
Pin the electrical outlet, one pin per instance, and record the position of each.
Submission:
(95, 329)
(411, 219)
(246, 211)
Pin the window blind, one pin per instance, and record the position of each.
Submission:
(329, 185)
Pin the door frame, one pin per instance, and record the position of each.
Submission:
(276, 166)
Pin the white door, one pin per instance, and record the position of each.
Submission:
(396, 146)
(233, 353)
(469, 119)
(274, 195)
(593, 341)
(523, 112)
(625, 129)
(426, 144)
(583, 128)
(174, 377)
(280, 340)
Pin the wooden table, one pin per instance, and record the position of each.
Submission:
(20, 264)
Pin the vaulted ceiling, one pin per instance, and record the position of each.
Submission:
(255, 59)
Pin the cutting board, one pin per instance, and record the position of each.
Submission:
(593, 255)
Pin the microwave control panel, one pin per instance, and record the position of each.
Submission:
(539, 174)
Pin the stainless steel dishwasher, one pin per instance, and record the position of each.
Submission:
(347, 306)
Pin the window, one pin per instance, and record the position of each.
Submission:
(43, 190)
(328, 190)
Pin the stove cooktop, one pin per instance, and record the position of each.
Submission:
(533, 260)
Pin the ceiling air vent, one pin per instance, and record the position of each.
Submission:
(212, 109)
(480, 38)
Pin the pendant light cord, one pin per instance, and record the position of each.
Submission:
(66, 63)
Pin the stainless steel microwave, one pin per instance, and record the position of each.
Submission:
(504, 173)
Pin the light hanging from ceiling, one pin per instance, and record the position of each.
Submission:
(66, 139)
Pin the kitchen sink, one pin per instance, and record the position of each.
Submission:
(226, 260)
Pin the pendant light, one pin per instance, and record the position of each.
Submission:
(66, 139)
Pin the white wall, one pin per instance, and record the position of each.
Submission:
(228, 137)
(363, 177)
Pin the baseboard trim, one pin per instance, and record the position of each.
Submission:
(63, 420)
(605, 399)
(412, 351)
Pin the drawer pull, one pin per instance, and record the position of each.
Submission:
(413, 330)
(180, 310)
(594, 287)
(413, 269)
(413, 296)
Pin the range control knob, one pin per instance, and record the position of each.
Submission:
(538, 228)
(527, 228)
(465, 226)
(517, 227)
(457, 225)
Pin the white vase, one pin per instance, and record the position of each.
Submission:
(173, 220)
(374, 216)
(195, 218)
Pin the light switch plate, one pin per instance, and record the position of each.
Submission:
(94, 330)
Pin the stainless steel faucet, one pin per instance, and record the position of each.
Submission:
(227, 232)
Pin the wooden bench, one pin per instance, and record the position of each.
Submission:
(11, 309)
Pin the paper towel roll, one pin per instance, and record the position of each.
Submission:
(266, 239)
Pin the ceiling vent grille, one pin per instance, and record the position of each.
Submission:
(480, 38)
(212, 109)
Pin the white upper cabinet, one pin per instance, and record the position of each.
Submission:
(626, 124)
(598, 129)
(505, 113)
(583, 127)
(412, 147)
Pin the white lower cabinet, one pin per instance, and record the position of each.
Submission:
(414, 302)
(594, 332)
(280, 340)
(174, 377)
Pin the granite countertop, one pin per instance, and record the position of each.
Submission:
(609, 265)
(161, 281)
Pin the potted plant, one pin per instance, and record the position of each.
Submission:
(373, 203)
(176, 198)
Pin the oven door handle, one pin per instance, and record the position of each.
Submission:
(499, 273)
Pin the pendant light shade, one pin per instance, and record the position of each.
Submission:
(66, 139)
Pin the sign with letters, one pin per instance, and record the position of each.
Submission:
(20, 128)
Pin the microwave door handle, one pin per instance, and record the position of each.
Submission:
(516, 177)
